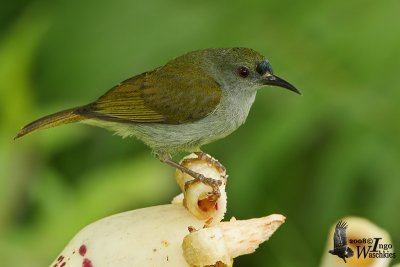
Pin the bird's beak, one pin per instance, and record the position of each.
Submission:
(269, 79)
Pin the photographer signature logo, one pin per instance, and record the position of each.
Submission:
(375, 249)
(365, 247)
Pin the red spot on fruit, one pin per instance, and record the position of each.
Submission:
(55, 265)
(82, 250)
(60, 258)
(87, 263)
(62, 264)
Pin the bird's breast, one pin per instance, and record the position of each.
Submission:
(235, 109)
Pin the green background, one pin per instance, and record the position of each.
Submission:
(331, 153)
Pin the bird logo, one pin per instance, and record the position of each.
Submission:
(340, 247)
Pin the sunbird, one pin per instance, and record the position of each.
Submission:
(192, 100)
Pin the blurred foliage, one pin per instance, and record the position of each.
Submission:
(331, 153)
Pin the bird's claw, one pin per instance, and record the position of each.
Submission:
(203, 156)
(213, 183)
(214, 195)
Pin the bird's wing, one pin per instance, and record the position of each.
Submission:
(339, 237)
(158, 96)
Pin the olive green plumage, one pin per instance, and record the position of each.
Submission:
(192, 100)
(151, 96)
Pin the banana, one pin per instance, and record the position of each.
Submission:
(188, 232)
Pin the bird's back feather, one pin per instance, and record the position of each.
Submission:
(179, 92)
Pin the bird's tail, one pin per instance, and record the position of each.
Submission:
(350, 252)
(59, 118)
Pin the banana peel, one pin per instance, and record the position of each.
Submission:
(188, 232)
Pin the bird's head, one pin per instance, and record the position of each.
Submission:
(241, 69)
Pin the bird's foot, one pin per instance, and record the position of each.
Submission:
(221, 168)
(198, 177)
(213, 183)
(201, 156)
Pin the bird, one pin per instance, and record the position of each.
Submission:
(192, 100)
(340, 247)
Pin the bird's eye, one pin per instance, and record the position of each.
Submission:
(243, 72)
